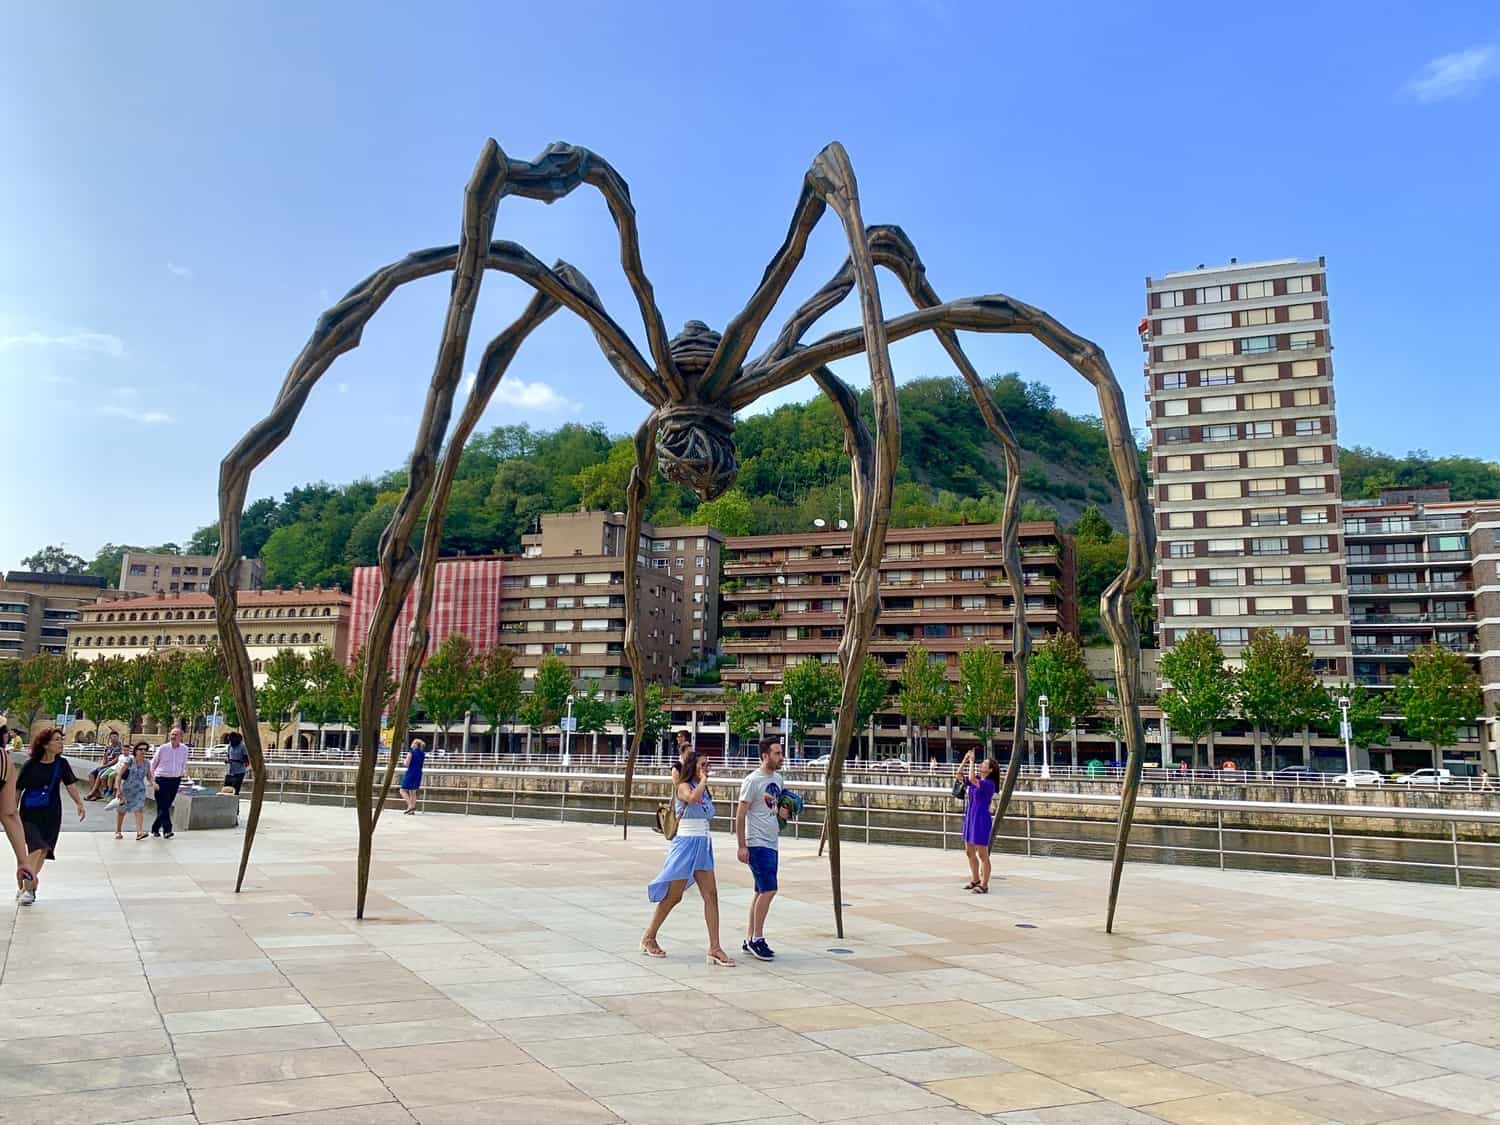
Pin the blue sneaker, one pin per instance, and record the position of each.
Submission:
(760, 950)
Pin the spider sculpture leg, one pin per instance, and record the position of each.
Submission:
(998, 313)
(893, 250)
(636, 494)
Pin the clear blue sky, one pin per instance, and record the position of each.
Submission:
(185, 186)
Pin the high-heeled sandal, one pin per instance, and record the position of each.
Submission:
(981, 890)
(971, 884)
(719, 959)
(651, 949)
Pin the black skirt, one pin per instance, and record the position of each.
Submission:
(43, 826)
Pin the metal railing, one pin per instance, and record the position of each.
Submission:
(1436, 846)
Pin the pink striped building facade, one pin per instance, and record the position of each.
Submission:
(465, 599)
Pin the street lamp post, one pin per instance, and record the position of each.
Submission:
(213, 723)
(1345, 732)
(567, 758)
(67, 713)
(1046, 726)
(786, 723)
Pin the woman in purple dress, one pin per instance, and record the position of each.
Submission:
(979, 783)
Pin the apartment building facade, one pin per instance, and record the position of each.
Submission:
(302, 620)
(148, 572)
(1423, 570)
(942, 587)
(691, 554)
(36, 610)
(1244, 456)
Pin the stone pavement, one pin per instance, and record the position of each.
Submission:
(497, 979)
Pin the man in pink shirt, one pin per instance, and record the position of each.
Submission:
(168, 763)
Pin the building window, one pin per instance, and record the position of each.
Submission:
(1218, 404)
(1184, 607)
(1172, 326)
(1179, 521)
(1278, 605)
(1306, 396)
(1267, 486)
(1174, 381)
(1174, 408)
(1170, 299)
(1272, 575)
(1221, 460)
(1320, 635)
(1317, 575)
(1265, 400)
(1299, 285)
(1180, 463)
(1225, 546)
(1302, 341)
(1257, 345)
(1173, 434)
(1224, 518)
(1176, 492)
(1217, 377)
(1222, 490)
(1315, 544)
(1320, 603)
(1211, 321)
(1311, 455)
(1307, 427)
(1251, 317)
(1179, 550)
(1268, 546)
(1314, 515)
(1221, 577)
(1226, 432)
(1257, 290)
(1171, 353)
(1237, 635)
(1211, 294)
(1263, 430)
(1268, 517)
(1215, 348)
(1302, 312)
(1260, 373)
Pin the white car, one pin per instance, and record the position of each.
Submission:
(821, 763)
(1361, 777)
(1427, 776)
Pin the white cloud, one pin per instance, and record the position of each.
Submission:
(145, 417)
(179, 271)
(1454, 76)
(536, 396)
(100, 343)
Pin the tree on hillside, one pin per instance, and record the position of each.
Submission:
(446, 688)
(731, 513)
(54, 560)
(545, 704)
(986, 691)
(602, 485)
(280, 696)
(1058, 671)
(1203, 692)
(497, 688)
(814, 688)
(1439, 695)
(746, 711)
(923, 696)
(1279, 692)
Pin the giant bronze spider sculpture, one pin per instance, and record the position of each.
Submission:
(693, 383)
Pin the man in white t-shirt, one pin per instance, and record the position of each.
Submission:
(757, 824)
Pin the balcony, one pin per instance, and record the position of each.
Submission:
(1407, 650)
(1415, 559)
(1378, 620)
(1393, 590)
(1362, 529)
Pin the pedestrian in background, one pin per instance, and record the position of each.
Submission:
(979, 784)
(757, 824)
(41, 782)
(131, 780)
(10, 812)
(411, 780)
(168, 764)
(236, 761)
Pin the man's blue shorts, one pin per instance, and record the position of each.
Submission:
(763, 867)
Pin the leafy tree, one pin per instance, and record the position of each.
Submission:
(603, 485)
(746, 711)
(1367, 727)
(1279, 692)
(446, 687)
(10, 686)
(164, 685)
(201, 680)
(814, 688)
(548, 698)
(870, 692)
(592, 712)
(352, 692)
(115, 688)
(46, 680)
(658, 718)
(281, 695)
(1058, 671)
(731, 513)
(1440, 694)
(1203, 693)
(1092, 527)
(497, 688)
(54, 560)
(986, 690)
(325, 689)
(923, 696)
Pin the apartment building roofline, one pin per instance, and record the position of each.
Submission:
(1236, 266)
(42, 578)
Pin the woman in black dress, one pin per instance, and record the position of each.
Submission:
(10, 806)
(41, 782)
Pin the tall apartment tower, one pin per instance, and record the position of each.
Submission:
(1244, 457)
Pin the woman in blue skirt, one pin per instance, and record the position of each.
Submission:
(690, 857)
(411, 780)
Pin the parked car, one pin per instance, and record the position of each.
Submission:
(1428, 776)
(1361, 777)
(820, 763)
(1298, 773)
(891, 764)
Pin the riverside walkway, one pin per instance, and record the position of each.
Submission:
(496, 979)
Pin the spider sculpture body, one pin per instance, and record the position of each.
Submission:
(693, 383)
